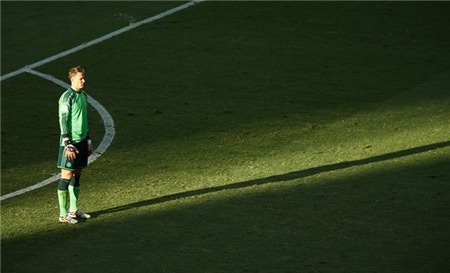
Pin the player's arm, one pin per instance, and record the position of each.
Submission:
(64, 110)
(71, 150)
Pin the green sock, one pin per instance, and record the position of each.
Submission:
(62, 200)
(74, 192)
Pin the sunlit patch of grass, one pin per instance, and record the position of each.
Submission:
(312, 140)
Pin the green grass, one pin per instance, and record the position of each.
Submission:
(250, 137)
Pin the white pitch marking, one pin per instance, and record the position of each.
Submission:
(108, 123)
(98, 40)
(107, 119)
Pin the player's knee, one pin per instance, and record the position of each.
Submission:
(75, 181)
(63, 184)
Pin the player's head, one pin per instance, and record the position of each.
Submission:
(76, 76)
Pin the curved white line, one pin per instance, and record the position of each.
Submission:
(107, 119)
(110, 132)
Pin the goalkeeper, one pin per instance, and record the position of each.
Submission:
(74, 148)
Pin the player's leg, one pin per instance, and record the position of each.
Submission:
(74, 192)
(80, 162)
(63, 188)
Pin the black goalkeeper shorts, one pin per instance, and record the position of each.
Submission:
(79, 162)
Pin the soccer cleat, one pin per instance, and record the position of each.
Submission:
(79, 214)
(67, 219)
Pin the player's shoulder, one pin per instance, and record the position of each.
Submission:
(66, 95)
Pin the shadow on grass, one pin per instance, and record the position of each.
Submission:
(369, 222)
(278, 178)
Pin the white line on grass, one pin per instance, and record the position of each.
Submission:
(108, 123)
(98, 40)
(106, 117)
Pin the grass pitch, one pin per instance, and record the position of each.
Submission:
(250, 137)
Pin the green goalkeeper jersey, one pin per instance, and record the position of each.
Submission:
(73, 115)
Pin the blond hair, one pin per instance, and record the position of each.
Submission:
(74, 70)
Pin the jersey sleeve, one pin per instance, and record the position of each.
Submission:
(63, 112)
